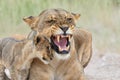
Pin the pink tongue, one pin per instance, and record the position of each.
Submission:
(62, 43)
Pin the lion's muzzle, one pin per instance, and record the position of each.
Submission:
(61, 43)
(64, 29)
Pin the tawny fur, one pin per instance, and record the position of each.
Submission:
(71, 68)
(17, 56)
(83, 45)
(18, 36)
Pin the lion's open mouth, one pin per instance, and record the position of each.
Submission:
(61, 43)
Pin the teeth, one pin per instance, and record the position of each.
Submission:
(62, 36)
(60, 48)
(68, 37)
(67, 47)
(58, 38)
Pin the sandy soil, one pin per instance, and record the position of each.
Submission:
(104, 67)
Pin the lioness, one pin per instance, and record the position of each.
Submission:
(72, 46)
(17, 56)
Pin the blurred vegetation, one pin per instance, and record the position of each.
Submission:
(101, 17)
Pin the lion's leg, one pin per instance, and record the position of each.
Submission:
(83, 44)
(23, 74)
(43, 74)
(74, 72)
(18, 74)
(87, 53)
(13, 75)
(6, 77)
(2, 74)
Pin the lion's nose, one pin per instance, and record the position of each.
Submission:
(64, 28)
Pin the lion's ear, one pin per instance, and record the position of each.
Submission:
(31, 21)
(77, 16)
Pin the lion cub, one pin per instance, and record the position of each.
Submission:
(17, 56)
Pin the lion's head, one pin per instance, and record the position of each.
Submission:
(58, 25)
(42, 48)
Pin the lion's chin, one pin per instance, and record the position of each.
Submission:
(61, 43)
(62, 56)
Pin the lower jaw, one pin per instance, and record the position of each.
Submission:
(63, 52)
(62, 56)
(57, 50)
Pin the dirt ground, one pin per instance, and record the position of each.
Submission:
(104, 67)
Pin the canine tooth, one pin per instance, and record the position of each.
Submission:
(58, 38)
(69, 37)
(67, 47)
(60, 48)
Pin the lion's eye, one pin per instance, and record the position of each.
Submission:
(48, 47)
(69, 20)
(51, 21)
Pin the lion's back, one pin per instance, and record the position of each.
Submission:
(6, 45)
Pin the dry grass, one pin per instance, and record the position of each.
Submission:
(101, 17)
